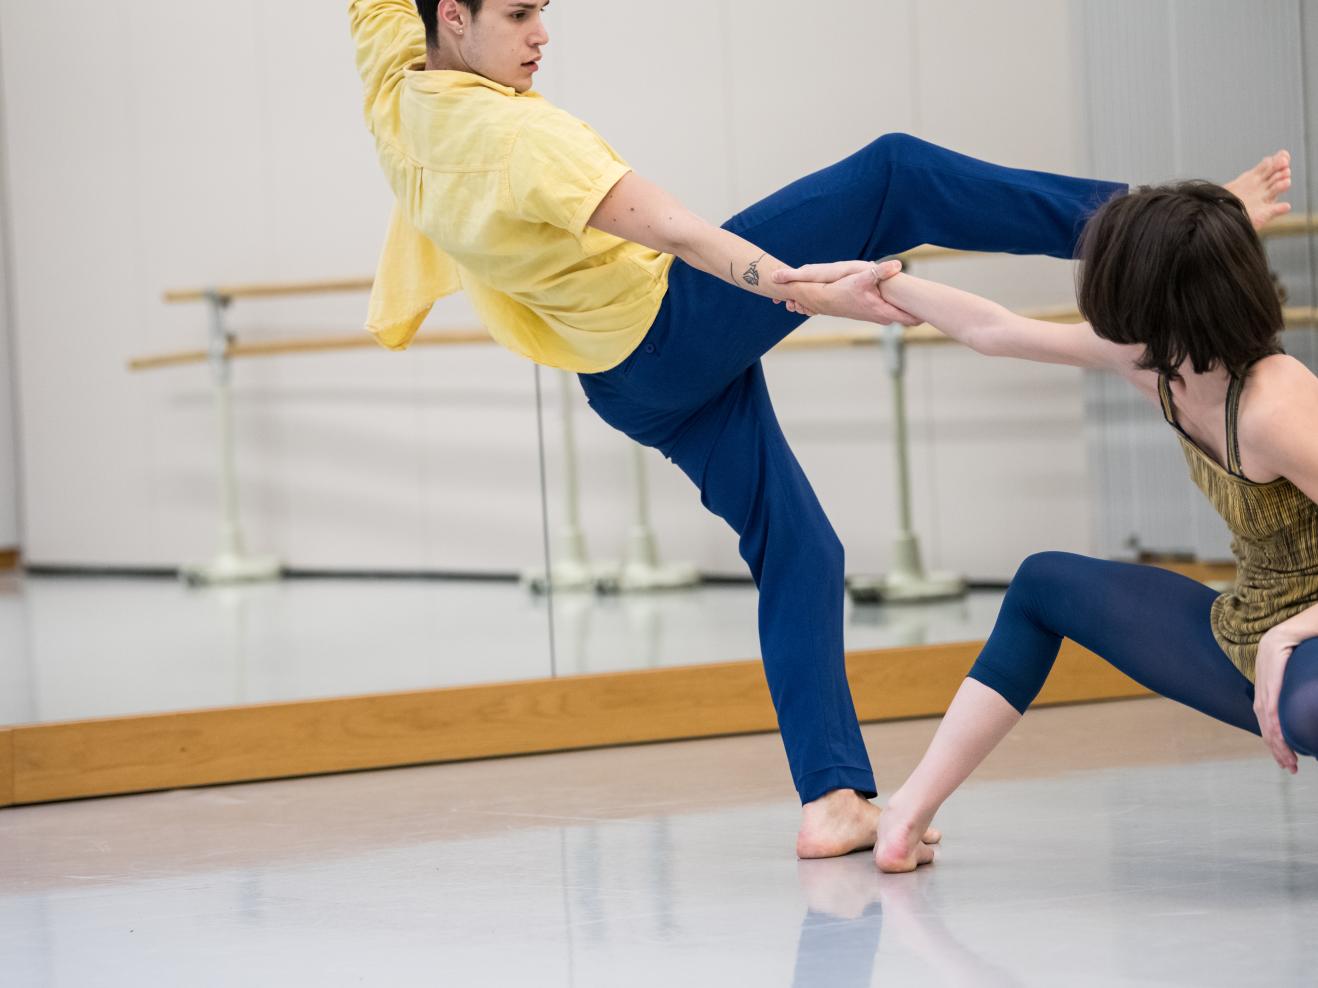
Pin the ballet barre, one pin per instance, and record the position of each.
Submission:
(641, 568)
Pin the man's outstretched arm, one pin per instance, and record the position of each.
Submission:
(640, 211)
(389, 38)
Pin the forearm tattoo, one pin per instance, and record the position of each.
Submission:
(752, 275)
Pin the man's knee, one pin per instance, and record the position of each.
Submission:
(896, 147)
(823, 550)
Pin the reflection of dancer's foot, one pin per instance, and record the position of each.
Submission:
(1259, 188)
(829, 952)
(916, 926)
(840, 888)
(841, 822)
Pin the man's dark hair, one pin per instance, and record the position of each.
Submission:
(1180, 270)
(429, 11)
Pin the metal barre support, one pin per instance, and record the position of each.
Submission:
(906, 579)
(231, 564)
(571, 568)
(642, 568)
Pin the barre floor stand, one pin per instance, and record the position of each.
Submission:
(571, 568)
(906, 579)
(231, 563)
(641, 568)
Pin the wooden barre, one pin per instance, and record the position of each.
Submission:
(312, 344)
(1286, 226)
(271, 290)
(363, 341)
(1296, 317)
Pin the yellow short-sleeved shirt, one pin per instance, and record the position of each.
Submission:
(493, 192)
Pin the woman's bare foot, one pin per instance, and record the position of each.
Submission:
(1259, 188)
(840, 822)
(899, 846)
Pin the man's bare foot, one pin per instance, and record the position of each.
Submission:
(840, 822)
(1259, 188)
(899, 846)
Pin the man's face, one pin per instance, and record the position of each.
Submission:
(504, 41)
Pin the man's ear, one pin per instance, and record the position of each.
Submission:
(452, 17)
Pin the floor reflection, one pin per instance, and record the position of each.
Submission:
(851, 907)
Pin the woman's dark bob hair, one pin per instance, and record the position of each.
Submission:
(1179, 270)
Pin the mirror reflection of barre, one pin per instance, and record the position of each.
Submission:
(571, 568)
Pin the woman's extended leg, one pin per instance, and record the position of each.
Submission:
(1151, 624)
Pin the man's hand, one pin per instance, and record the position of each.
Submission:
(849, 289)
(1274, 652)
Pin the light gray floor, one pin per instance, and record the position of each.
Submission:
(74, 648)
(1119, 844)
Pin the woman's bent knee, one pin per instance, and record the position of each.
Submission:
(1297, 707)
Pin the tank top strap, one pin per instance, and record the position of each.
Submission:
(1165, 394)
(1232, 426)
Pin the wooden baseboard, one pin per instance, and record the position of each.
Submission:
(6, 767)
(137, 754)
(1204, 572)
(10, 559)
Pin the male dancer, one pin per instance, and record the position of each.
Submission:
(576, 262)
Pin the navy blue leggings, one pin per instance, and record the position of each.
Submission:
(695, 390)
(1151, 624)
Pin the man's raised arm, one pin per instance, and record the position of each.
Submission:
(640, 211)
(389, 37)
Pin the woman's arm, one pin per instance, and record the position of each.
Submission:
(640, 211)
(993, 330)
(1274, 654)
(1281, 433)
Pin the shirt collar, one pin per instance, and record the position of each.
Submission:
(449, 80)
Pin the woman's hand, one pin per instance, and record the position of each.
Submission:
(850, 289)
(1274, 652)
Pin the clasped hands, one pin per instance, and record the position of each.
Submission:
(848, 289)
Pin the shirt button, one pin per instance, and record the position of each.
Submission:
(649, 348)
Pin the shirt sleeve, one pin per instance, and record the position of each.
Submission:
(389, 37)
(559, 170)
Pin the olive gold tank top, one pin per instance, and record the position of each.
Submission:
(1275, 539)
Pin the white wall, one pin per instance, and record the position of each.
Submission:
(10, 537)
(189, 142)
(9, 530)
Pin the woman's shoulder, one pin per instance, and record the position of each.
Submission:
(1279, 406)
(1279, 380)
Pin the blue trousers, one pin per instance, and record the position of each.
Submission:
(695, 390)
(1152, 625)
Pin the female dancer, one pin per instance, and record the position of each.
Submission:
(1176, 288)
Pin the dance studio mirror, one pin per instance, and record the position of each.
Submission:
(939, 469)
(453, 516)
(398, 493)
